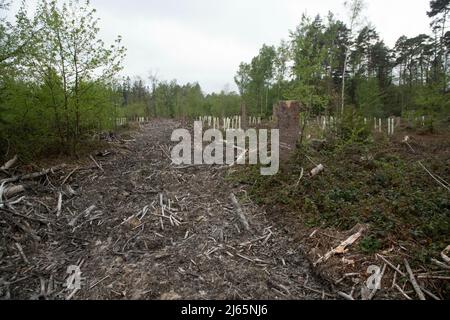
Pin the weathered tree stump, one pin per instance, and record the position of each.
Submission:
(286, 118)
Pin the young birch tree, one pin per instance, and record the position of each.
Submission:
(71, 59)
(355, 8)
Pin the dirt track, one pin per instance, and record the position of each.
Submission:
(128, 250)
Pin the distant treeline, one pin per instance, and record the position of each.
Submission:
(329, 66)
(59, 82)
(169, 99)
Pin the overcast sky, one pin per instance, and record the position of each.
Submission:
(205, 40)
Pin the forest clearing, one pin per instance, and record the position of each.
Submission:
(131, 220)
(94, 206)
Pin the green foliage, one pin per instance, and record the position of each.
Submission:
(379, 81)
(169, 99)
(254, 80)
(429, 100)
(353, 130)
(57, 86)
(368, 97)
(370, 245)
(309, 50)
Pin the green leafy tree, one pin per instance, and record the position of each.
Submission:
(309, 53)
(72, 58)
(57, 76)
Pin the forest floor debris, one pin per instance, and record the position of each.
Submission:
(138, 227)
(372, 182)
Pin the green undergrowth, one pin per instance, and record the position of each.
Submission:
(376, 183)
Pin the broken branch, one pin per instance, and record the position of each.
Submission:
(413, 281)
(341, 248)
(240, 212)
(12, 191)
(35, 175)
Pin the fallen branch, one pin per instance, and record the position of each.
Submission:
(167, 154)
(434, 277)
(96, 163)
(345, 296)
(440, 264)
(430, 294)
(240, 212)
(69, 175)
(323, 293)
(404, 275)
(341, 248)
(402, 292)
(391, 265)
(22, 254)
(70, 191)
(299, 179)
(435, 179)
(72, 294)
(23, 227)
(84, 213)
(12, 211)
(59, 205)
(317, 170)
(98, 282)
(407, 143)
(34, 175)
(12, 191)
(413, 281)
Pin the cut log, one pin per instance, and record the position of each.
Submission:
(10, 163)
(12, 191)
(240, 212)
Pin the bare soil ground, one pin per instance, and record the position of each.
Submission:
(141, 228)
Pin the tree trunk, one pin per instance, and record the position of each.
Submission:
(64, 76)
(343, 81)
